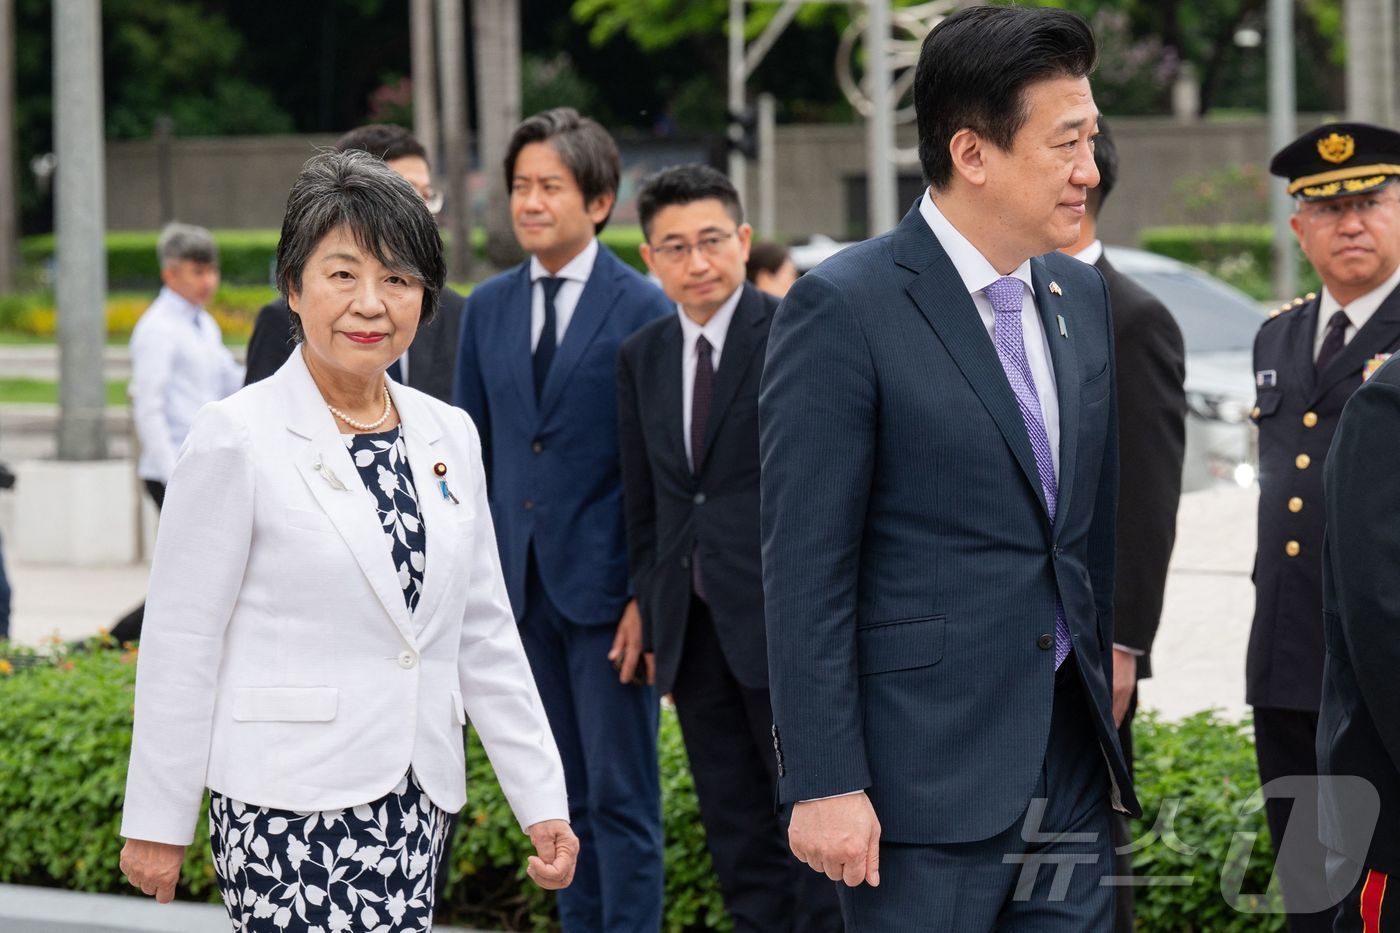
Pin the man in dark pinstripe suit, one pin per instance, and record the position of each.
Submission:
(939, 480)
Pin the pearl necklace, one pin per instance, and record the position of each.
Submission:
(360, 425)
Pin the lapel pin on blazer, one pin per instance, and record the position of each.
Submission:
(1055, 288)
(440, 471)
(328, 475)
(1061, 319)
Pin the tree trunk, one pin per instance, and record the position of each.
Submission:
(497, 36)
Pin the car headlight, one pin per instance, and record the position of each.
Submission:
(1214, 407)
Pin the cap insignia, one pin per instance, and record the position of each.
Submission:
(1336, 148)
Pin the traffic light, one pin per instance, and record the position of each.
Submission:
(743, 133)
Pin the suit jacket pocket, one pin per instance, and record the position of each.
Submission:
(308, 520)
(285, 704)
(901, 645)
(1095, 388)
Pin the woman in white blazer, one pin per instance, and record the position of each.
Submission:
(327, 607)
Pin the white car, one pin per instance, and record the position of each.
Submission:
(1218, 323)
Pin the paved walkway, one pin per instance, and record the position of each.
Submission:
(1199, 656)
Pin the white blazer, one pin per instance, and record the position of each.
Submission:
(278, 662)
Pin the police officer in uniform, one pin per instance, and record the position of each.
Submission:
(1309, 358)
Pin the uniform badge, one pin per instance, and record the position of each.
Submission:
(1336, 148)
(1266, 378)
(1373, 364)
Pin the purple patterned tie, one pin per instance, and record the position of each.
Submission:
(1006, 294)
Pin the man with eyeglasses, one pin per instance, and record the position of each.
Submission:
(428, 363)
(1309, 358)
(687, 388)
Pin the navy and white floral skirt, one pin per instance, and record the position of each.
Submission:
(367, 869)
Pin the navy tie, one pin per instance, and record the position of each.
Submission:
(699, 416)
(544, 349)
(1334, 340)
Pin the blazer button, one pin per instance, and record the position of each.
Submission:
(1303, 461)
(529, 504)
(407, 659)
(699, 498)
(1292, 548)
(1045, 642)
(1310, 420)
(1295, 504)
(537, 447)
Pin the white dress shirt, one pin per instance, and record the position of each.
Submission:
(1091, 253)
(714, 330)
(575, 275)
(977, 273)
(1358, 312)
(178, 365)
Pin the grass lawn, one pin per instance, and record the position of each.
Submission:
(14, 390)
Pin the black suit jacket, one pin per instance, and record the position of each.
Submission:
(431, 357)
(672, 513)
(1151, 359)
(1283, 668)
(1358, 731)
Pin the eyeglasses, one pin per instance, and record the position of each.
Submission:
(710, 246)
(1331, 212)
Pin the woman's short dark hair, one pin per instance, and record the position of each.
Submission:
(974, 68)
(387, 218)
(765, 256)
(583, 145)
(685, 184)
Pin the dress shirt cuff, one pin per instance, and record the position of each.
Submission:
(1135, 652)
(849, 793)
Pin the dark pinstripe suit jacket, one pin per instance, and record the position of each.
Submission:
(910, 569)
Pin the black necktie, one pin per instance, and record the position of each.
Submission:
(1333, 340)
(699, 414)
(544, 350)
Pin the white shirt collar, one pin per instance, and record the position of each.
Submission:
(1360, 310)
(577, 269)
(169, 298)
(973, 268)
(715, 329)
(1091, 253)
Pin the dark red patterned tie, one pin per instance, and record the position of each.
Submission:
(699, 414)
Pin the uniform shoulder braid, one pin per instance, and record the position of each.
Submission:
(1291, 305)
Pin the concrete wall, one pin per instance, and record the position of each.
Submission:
(243, 181)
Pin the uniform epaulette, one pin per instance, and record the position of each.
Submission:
(1290, 305)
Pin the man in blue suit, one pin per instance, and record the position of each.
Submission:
(536, 370)
(939, 457)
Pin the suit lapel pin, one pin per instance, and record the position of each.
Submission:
(1055, 288)
(328, 475)
(440, 471)
(1061, 319)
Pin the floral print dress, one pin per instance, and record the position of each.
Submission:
(367, 869)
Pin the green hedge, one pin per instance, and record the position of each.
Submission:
(1241, 254)
(67, 733)
(246, 256)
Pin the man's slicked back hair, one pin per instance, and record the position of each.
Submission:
(974, 69)
(583, 145)
(685, 184)
(388, 141)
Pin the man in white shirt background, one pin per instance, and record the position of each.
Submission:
(178, 363)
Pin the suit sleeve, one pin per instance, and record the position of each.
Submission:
(206, 530)
(153, 359)
(270, 343)
(1152, 443)
(1102, 541)
(468, 391)
(817, 432)
(1363, 496)
(498, 689)
(638, 496)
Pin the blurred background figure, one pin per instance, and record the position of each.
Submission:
(178, 364)
(1151, 360)
(427, 364)
(770, 268)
